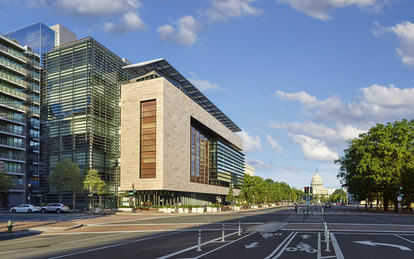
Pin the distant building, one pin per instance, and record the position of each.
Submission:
(39, 37)
(248, 169)
(317, 185)
(176, 145)
(63, 35)
(19, 120)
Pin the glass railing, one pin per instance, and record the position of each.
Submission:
(11, 91)
(11, 156)
(12, 117)
(11, 143)
(12, 131)
(11, 104)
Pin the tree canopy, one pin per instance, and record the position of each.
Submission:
(377, 162)
(66, 176)
(257, 190)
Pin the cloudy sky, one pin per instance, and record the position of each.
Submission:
(300, 77)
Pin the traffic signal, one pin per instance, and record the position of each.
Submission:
(306, 190)
(310, 190)
(400, 191)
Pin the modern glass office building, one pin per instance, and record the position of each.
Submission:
(80, 111)
(39, 37)
(19, 120)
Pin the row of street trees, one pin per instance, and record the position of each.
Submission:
(68, 177)
(257, 190)
(376, 163)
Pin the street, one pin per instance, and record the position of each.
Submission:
(264, 233)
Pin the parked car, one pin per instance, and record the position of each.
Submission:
(327, 205)
(25, 208)
(55, 207)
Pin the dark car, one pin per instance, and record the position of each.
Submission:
(327, 205)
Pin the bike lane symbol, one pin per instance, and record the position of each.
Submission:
(302, 247)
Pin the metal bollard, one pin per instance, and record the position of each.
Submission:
(222, 234)
(327, 243)
(199, 241)
(239, 234)
(326, 229)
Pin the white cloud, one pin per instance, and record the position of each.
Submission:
(127, 10)
(184, 34)
(405, 33)
(203, 84)
(257, 164)
(100, 8)
(224, 9)
(333, 137)
(314, 149)
(130, 22)
(320, 9)
(377, 103)
(250, 143)
(273, 143)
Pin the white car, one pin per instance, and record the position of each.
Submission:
(25, 208)
(55, 207)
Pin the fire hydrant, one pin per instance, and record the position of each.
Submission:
(9, 226)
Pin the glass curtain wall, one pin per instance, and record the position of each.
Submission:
(80, 110)
(39, 37)
(212, 160)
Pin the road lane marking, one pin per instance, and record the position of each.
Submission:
(284, 247)
(114, 245)
(336, 247)
(281, 244)
(196, 246)
(404, 238)
(209, 252)
(375, 244)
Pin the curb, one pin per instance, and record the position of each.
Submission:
(54, 229)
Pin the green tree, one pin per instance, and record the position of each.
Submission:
(94, 184)
(376, 162)
(66, 176)
(6, 183)
(230, 195)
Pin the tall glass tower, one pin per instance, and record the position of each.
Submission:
(39, 37)
(80, 111)
(19, 120)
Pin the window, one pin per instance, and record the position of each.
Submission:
(148, 139)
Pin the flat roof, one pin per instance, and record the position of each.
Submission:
(161, 65)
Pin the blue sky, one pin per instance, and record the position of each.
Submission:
(300, 77)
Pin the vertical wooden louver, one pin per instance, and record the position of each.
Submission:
(148, 139)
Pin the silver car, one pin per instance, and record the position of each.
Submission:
(25, 208)
(55, 207)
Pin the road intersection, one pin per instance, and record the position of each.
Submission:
(269, 233)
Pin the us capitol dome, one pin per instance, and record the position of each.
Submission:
(317, 185)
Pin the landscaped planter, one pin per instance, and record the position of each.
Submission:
(236, 208)
(197, 210)
(180, 210)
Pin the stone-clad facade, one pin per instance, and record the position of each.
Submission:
(175, 111)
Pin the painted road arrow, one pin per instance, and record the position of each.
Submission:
(252, 245)
(305, 236)
(370, 243)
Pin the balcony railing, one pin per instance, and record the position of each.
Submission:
(9, 116)
(11, 156)
(11, 143)
(12, 131)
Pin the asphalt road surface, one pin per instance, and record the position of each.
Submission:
(268, 233)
